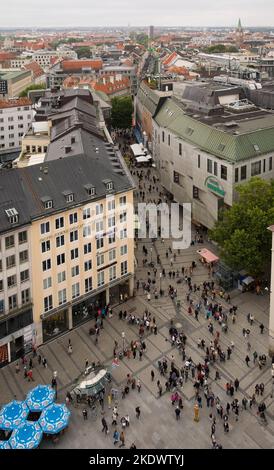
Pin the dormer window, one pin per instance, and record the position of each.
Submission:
(12, 215)
(109, 184)
(47, 201)
(90, 189)
(68, 195)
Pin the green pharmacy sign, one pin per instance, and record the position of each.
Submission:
(214, 186)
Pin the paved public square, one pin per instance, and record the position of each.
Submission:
(157, 426)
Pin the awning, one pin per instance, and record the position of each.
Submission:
(143, 159)
(248, 280)
(208, 256)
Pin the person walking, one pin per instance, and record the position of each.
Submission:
(236, 384)
(138, 412)
(17, 368)
(247, 360)
(45, 363)
(30, 363)
(105, 426)
(177, 412)
(85, 414)
(138, 385)
(152, 375)
(30, 377)
(122, 439)
(69, 350)
(261, 328)
(39, 359)
(116, 437)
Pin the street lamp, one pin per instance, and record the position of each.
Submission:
(123, 339)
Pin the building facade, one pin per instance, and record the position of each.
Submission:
(15, 119)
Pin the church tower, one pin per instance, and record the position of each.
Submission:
(239, 34)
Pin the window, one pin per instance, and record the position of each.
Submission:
(223, 172)
(47, 283)
(90, 190)
(61, 277)
(109, 185)
(24, 275)
(112, 273)
(86, 213)
(99, 243)
(88, 265)
(48, 204)
(44, 228)
(180, 149)
(10, 261)
(73, 236)
(9, 241)
(221, 147)
(48, 303)
(59, 223)
(60, 240)
(12, 302)
(123, 200)
(87, 231)
(11, 281)
(264, 165)
(163, 136)
(256, 168)
(23, 256)
(75, 271)
(45, 246)
(99, 226)
(60, 259)
(123, 217)
(270, 164)
(100, 259)
(10, 119)
(99, 209)
(101, 278)
(209, 165)
(243, 172)
(75, 290)
(123, 250)
(111, 205)
(88, 284)
(25, 294)
(123, 268)
(195, 192)
(62, 296)
(46, 264)
(189, 131)
(74, 253)
(176, 177)
(199, 161)
(111, 221)
(123, 233)
(236, 175)
(168, 140)
(215, 169)
(111, 238)
(73, 218)
(1, 288)
(112, 254)
(69, 198)
(87, 248)
(22, 237)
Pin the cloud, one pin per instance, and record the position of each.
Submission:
(121, 12)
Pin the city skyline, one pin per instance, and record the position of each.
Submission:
(121, 13)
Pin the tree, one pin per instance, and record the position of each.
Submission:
(121, 112)
(142, 38)
(242, 231)
(220, 48)
(83, 51)
(34, 86)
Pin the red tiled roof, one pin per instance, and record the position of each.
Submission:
(7, 55)
(35, 68)
(75, 65)
(12, 103)
(170, 58)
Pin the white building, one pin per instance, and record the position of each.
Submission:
(44, 57)
(15, 119)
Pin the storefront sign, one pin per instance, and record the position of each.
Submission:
(213, 185)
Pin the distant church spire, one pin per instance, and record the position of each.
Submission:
(240, 28)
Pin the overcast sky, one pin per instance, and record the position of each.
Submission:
(136, 12)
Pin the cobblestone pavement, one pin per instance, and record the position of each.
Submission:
(157, 426)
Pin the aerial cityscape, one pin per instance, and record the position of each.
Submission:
(137, 226)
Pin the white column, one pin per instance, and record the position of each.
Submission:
(271, 311)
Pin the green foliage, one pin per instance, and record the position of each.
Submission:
(142, 39)
(219, 48)
(121, 112)
(83, 51)
(38, 86)
(242, 231)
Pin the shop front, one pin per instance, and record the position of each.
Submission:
(119, 293)
(12, 336)
(55, 325)
(88, 308)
